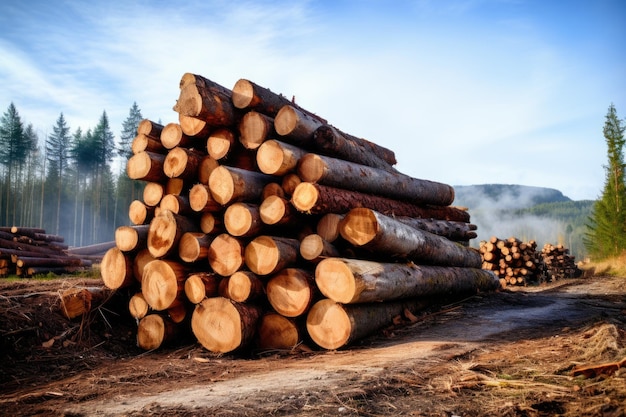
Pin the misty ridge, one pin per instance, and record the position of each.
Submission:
(527, 213)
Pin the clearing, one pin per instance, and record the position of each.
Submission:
(510, 353)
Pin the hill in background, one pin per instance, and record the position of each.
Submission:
(528, 213)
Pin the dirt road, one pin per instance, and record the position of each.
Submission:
(507, 353)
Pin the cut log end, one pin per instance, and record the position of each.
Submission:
(290, 292)
(286, 120)
(222, 185)
(243, 94)
(277, 332)
(153, 331)
(159, 284)
(116, 269)
(217, 325)
(333, 276)
(226, 254)
(305, 197)
(360, 227)
(328, 324)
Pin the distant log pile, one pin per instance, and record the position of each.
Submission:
(29, 251)
(262, 226)
(519, 263)
(559, 263)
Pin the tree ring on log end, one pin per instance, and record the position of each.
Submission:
(262, 255)
(216, 323)
(335, 280)
(151, 332)
(360, 227)
(305, 197)
(159, 285)
(243, 93)
(287, 119)
(222, 185)
(328, 324)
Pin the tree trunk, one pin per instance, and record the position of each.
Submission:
(131, 238)
(332, 325)
(76, 302)
(248, 95)
(254, 128)
(351, 281)
(183, 163)
(278, 158)
(29, 261)
(220, 143)
(267, 255)
(149, 128)
(139, 213)
(146, 166)
(163, 283)
(243, 220)
(138, 306)
(226, 254)
(292, 291)
(201, 200)
(243, 286)
(165, 232)
(351, 176)
(381, 234)
(279, 332)
(321, 199)
(155, 330)
(116, 269)
(143, 143)
(194, 247)
(200, 285)
(457, 231)
(229, 184)
(295, 125)
(222, 325)
(329, 141)
(206, 100)
(314, 248)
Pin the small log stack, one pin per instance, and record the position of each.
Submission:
(28, 251)
(263, 226)
(559, 263)
(513, 261)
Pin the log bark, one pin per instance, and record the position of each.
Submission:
(200, 285)
(290, 182)
(332, 325)
(183, 163)
(95, 249)
(226, 254)
(381, 234)
(279, 332)
(243, 287)
(194, 247)
(138, 306)
(229, 185)
(201, 200)
(321, 199)
(295, 125)
(206, 100)
(220, 143)
(165, 232)
(254, 129)
(131, 238)
(146, 166)
(266, 255)
(351, 176)
(140, 213)
(222, 325)
(243, 220)
(248, 95)
(30, 261)
(292, 291)
(143, 143)
(162, 284)
(314, 248)
(274, 157)
(457, 231)
(350, 281)
(116, 269)
(329, 141)
(155, 330)
(149, 128)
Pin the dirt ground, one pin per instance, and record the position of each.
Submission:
(510, 353)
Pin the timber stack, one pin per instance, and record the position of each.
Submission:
(559, 263)
(263, 226)
(513, 261)
(29, 251)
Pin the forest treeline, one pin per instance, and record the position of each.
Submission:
(65, 182)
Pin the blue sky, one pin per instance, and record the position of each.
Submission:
(463, 91)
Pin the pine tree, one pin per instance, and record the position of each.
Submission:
(57, 153)
(14, 148)
(606, 235)
(129, 131)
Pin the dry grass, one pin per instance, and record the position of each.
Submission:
(615, 267)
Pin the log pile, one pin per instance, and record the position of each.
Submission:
(29, 251)
(513, 261)
(262, 226)
(559, 263)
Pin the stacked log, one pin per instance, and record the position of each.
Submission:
(29, 251)
(559, 263)
(513, 261)
(278, 224)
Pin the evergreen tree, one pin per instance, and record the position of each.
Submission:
(127, 190)
(606, 235)
(129, 131)
(57, 154)
(14, 147)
